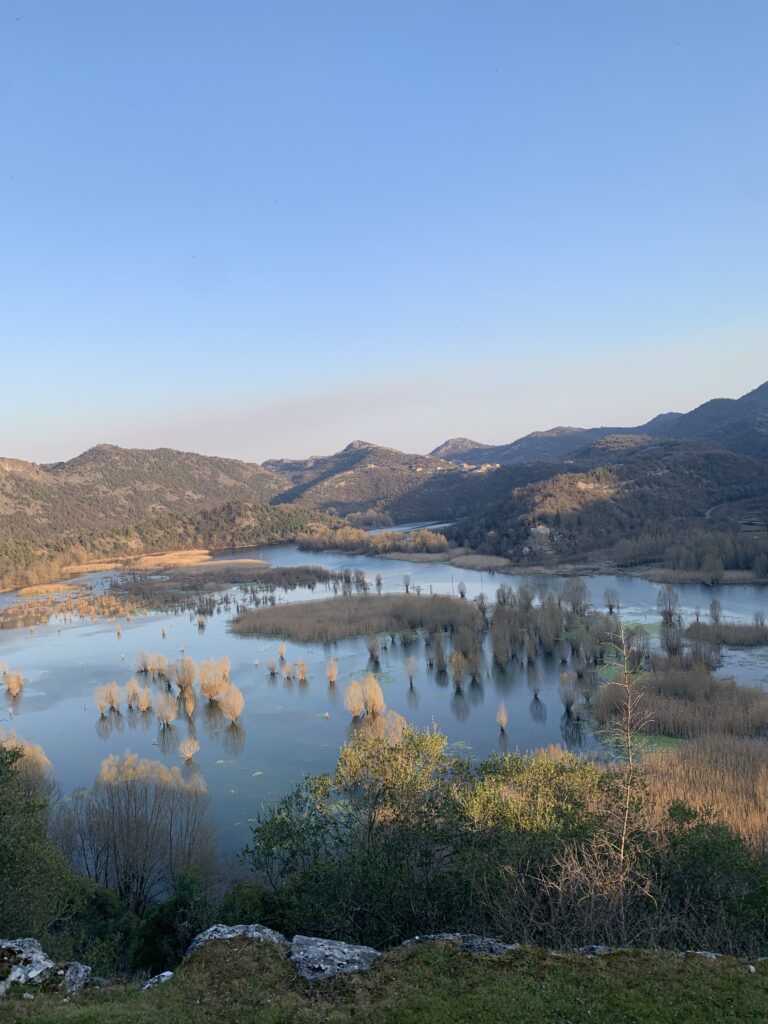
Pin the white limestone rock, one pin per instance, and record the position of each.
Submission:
(257, 932)
(22, 962)
(317, 959)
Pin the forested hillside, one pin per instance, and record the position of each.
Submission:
(686, 506)
(360, 477)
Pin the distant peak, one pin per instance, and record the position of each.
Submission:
(355, 446)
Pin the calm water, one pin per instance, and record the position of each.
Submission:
(287, 729)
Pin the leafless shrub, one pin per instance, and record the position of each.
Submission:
(501, 716)
(353, 699)
(214, 677)
(13, 682)
(184, 673)
(166, 709)
(458, 667)
(188, 748)
(144, 701)
(153, 665)
(567, 692)
(132, 693)
(232, 703)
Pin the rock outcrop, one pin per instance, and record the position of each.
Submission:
(23, 962)
(466, 941)
(75, 977)
(158, 979)
(317, 959)
(216, 932)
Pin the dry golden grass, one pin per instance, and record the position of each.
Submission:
(40, 589)
(722, 774)
(162, 560)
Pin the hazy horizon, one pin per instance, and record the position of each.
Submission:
(305, 453)
(264, 230)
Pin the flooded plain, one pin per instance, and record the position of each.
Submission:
(289, 728)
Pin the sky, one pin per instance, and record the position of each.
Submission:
(264, 229)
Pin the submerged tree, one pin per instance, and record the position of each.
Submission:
(372, 643)
(410, 668)
(232, 703)
(501, 716)
(166, 709)
(188, 748)
(214, 677)
(13, 681)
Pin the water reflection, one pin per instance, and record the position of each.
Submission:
(104, 727)
(460, 705)
(213, 720)
(538, 709)
(167, 739)
(233, 738)
(572, 731)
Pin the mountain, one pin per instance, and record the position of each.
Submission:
(454, 448)
(360, 477)
(738, 424)
(109, 487)
(544, 445)
(584, 490)
(683, 503)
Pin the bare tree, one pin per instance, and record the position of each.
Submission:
(612, 600)
(138, 828)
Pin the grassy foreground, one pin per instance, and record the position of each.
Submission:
(238, 982)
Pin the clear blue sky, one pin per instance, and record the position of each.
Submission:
(263, 229)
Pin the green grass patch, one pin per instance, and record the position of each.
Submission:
(245, 982)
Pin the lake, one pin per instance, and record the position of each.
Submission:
(290, 729)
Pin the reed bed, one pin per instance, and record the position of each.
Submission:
(729, 634)
(724, 775)
(693, 704)
(336, 618)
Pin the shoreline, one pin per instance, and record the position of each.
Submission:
(461, 558)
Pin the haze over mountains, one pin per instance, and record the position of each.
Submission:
(706, 465)
(740, 425)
